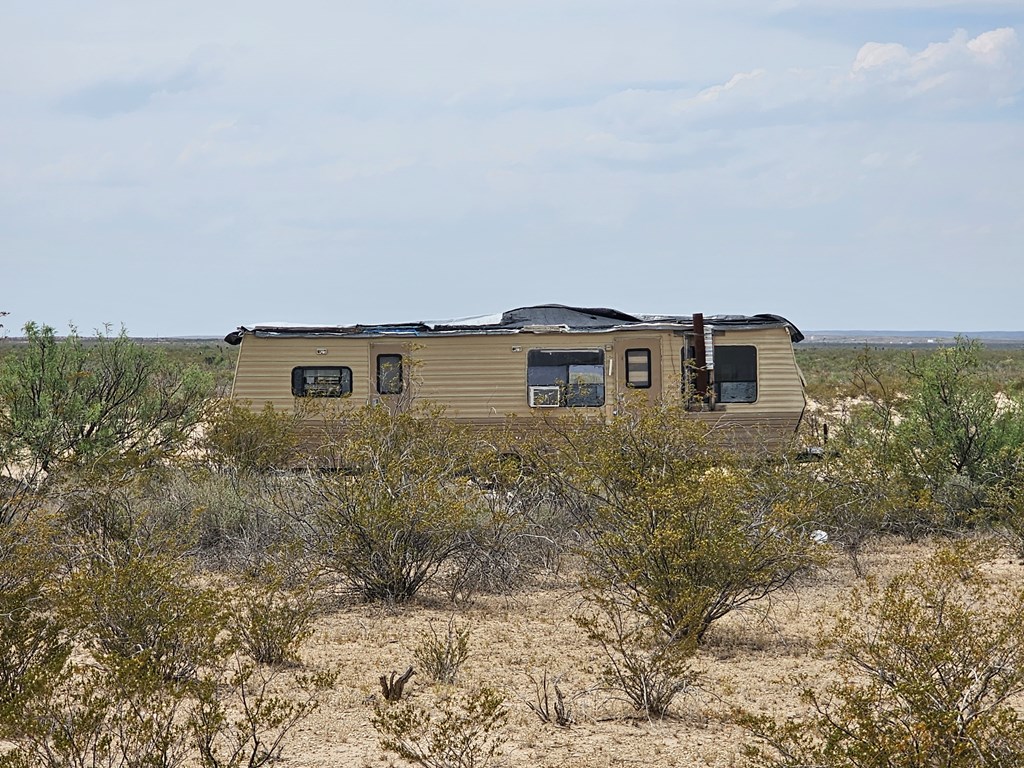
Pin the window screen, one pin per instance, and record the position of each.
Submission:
(321, 382)
(736, 374)
(389, 374)
(579, 375)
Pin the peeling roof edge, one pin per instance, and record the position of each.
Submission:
(517, 321)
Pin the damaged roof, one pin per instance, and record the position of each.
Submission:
(541, 318)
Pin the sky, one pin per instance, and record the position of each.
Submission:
(182, 168)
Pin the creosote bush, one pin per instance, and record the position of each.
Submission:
(441, 656)
(680, 530)
(270, 619)
(932, 663)
(36, 647)
(644, 665)
(155, 680)
(464, 732)
(240, 439)
(246, 728)
(402, 508)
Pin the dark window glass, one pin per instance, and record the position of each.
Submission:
(638, 368)
(321, 382)
(579, 375)
(736, 374)
(389, 374)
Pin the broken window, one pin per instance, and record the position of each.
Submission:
(566, 378)
(321, 381)
(735, 374)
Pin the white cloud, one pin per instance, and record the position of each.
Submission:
(962, 71)
(874, 55)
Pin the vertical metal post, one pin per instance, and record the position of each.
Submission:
(700, 359)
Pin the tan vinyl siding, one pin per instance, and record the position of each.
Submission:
(482, 378)
(477, 378)
(779, 389)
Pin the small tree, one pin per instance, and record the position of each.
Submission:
(931, 664)
(71, 402)
(938, 450)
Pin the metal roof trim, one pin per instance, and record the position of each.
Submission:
(517, 321)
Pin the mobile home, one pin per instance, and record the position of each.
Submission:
(532, 362)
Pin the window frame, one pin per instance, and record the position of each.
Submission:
(650, 373)
(344, 377)
(389, 374)
(541, 373)
(739, 377)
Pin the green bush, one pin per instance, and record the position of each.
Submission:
(403, 508)
(244, 440)
(442, 656)
(680, 530)
(933, 450)
(464, 733)
(68, 403)
(931, 669)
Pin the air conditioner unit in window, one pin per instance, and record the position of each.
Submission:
(545, 397)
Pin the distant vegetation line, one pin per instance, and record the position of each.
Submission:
(829, 363)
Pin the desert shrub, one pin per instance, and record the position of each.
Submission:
(644, 665)
(67, 726)
(146, 614)
(940, 447)
(35, 646)
(442, 656)
(931, 665)
(244, 440)
(1008, 503)
(234, 715)
(152, 662)
(463, 733)
(239, 522)
(245, 726)
(559, 713)
(118, 515)
(403, 508)
(157, 684)
(67, 403)
(512, 536)
(269, 618)
(682, 531)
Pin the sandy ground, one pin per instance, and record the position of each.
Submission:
(749, 661)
